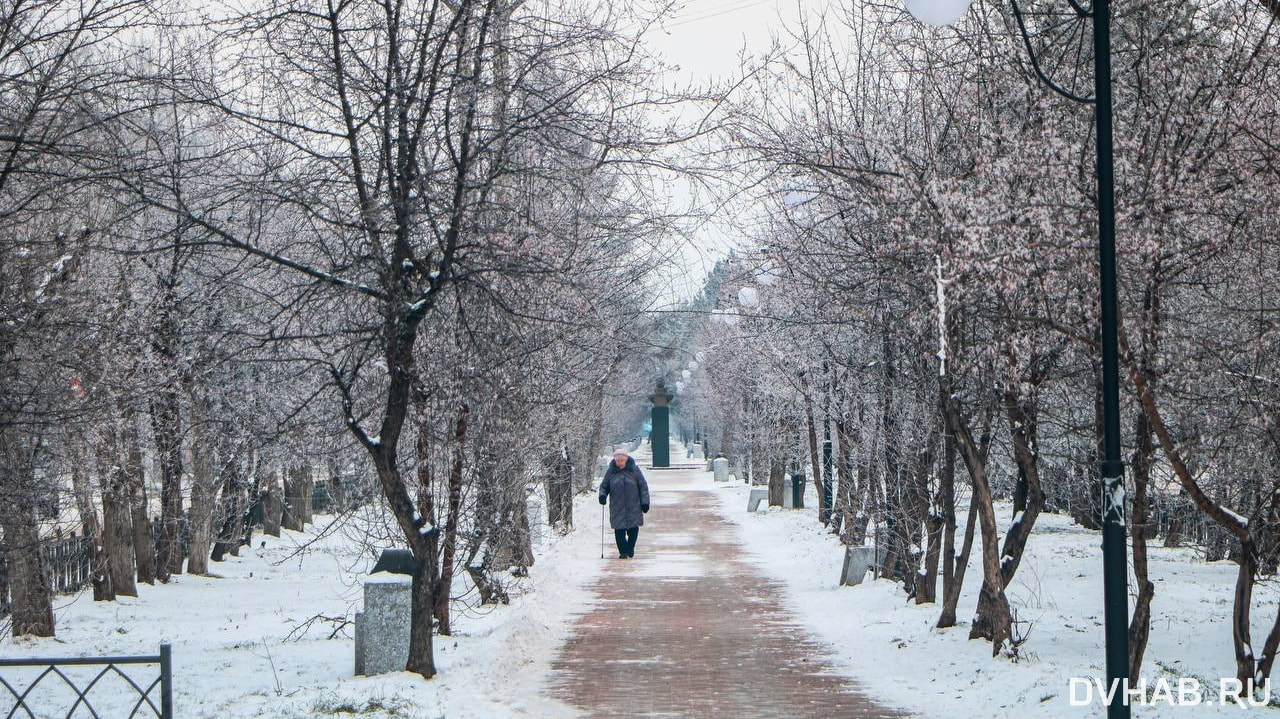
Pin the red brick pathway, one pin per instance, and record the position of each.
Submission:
(689, 629)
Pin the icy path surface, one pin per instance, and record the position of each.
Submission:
(691, 628)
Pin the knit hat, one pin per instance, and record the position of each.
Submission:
(621, 451)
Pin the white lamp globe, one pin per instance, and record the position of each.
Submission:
(748, 297)
(768, 274)
(686, 374)
(938, 12)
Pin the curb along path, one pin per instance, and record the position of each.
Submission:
(688, 628)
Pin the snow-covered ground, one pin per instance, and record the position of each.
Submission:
(239, 649)
(887, 642)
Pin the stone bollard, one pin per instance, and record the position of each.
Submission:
(857, 560)
(382, 629)
(720, 466)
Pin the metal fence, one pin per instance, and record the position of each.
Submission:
(68, 561)
(30, 695)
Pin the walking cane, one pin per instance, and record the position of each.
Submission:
(602, 531)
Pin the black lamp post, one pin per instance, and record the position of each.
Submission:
(1114, 554)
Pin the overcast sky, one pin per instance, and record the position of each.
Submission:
(707, 40)
(706, 37)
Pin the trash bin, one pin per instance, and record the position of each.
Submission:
(395, 561)
(797, 491)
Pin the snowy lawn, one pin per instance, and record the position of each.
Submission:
(890, 645)
(240, 648)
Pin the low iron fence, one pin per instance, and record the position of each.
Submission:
(43, 688)
(68, 563)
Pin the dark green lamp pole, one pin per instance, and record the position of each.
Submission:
(1115, 571)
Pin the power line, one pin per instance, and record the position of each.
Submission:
(709, 13)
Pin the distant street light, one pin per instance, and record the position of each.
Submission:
(1114, 555)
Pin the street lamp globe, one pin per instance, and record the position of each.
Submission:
(938, 12)
(768, 274)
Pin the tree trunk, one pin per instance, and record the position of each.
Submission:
(491, 592)
(31, 599)
(308, 478)
(291, 508)
(421, 650)
(776, 477)
(1240, 631)
(165, 419)
(891, 508)
(144, 544)
(845, 492)
(1024, 426)
(946, 501)
(915, 529)
(272, 507)
(559, 485)
(927, 585)
(100, 569)
(203, 488)
(1173, 534)
(1023, 421)
(814, 462)
(444, 585)
(522, 551)
(117, 526)
(993, 620)
(864, 503)
(230, 519)
(1140, 624)
(595, 442)
(1265, 662)
(424, 541)
(951, 590)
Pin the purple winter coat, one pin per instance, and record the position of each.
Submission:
(628, 492)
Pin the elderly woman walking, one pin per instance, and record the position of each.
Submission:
(627, 494)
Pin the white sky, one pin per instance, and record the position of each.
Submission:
(707, 42)
(706, 37)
